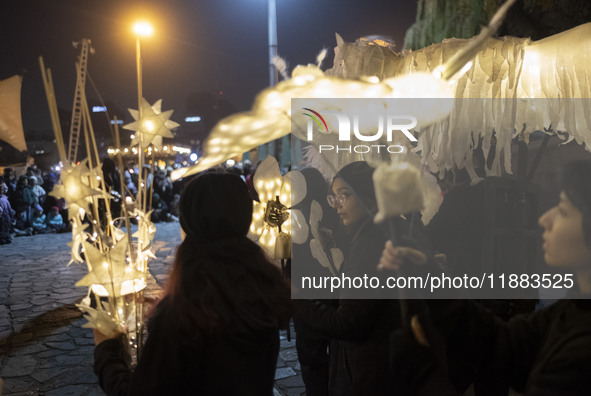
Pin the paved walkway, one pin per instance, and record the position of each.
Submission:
(43, 348)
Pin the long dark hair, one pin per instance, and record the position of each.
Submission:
(215, 214)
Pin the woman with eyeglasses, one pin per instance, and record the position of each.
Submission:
(360, 321)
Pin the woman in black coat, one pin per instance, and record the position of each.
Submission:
(361, 320)
(217, 330)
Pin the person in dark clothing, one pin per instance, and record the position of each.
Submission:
(216, 331)
(545, 353)
(49, 180)
(10, 180)
(22, 201)
(6, 215)
(163, 186)
(311, 345)
(113, 185)
(55, 221)
(359, 328)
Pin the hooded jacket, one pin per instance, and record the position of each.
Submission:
(217, 331)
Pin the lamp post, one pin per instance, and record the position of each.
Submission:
(141, 29)
(272, 22)
(273, 72)
(282, 146)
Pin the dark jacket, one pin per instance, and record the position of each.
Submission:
(360, 327)
(238, 359)
(545, 353)
(22, 199)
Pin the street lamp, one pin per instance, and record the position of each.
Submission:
(141, 29)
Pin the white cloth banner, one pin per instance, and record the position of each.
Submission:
(11, 125)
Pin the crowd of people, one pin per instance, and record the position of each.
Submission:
(163, 195)
(216, 328)
(26, 207)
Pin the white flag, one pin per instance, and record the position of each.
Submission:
(11, 124)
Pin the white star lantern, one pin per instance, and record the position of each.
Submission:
(112, 271)
(75, 187)
(153, 125)
(101, 318)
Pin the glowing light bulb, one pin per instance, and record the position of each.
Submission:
(143, 29)
(149, 125)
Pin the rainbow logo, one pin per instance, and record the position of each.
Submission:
(317, 118)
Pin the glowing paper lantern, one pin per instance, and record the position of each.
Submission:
(100, 318)
(270, 118)
(110, 269)
(277, 194)
(74, 186)
(153, 126)
(398, 189)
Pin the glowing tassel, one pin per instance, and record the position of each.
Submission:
(320, 57)
(281, 66)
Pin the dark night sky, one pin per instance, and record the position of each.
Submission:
(198, 45)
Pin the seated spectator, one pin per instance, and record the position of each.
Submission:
(54, 220)
(6, 216)
(40, 194)
(163, 186)
(39, 221)
(22, 200)
(160, 212)
(174, 206)
(129, 184)
(49, 180)
(217, 330)
(113, 185)
(32, 170)
(10, 180)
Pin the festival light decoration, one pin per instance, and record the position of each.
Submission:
(398, 189)
(273, 218)
(116, 258)
(328, 256)
(152, 126)
(74, 186)
(271, 119)
(110, 269)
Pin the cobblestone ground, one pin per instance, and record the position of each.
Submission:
(43, 348)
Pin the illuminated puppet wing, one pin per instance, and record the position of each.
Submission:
(534, 85)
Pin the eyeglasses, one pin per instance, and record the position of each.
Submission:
(336, 201)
